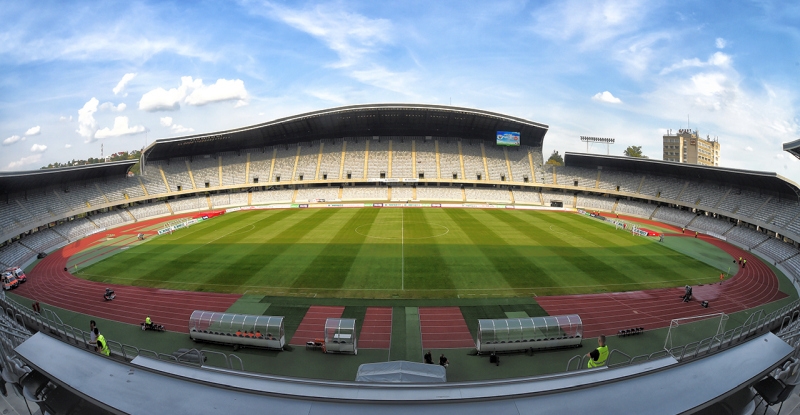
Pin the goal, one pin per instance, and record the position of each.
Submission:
(683, 331)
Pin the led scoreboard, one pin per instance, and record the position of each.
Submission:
(507, 138)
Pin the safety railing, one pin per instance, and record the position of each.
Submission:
(50, 322)
(784, 319)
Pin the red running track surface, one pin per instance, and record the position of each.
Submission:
(49, 283)
(376, 332)
(610, 312)
(313, 324)
(444, 328)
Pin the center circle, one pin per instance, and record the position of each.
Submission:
(404, 230)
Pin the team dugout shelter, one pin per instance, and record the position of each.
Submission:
(237, 329)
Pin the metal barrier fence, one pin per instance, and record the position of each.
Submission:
(756, 324)
(783, 319)
(48, 321)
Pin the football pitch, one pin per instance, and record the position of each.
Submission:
(401, 253)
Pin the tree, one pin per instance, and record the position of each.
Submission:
(634, 151)
(555, 159)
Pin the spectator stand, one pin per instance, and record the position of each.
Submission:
(240, 330)
(340, 336)
(519, 334)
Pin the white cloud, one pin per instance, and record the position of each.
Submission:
(167, 122)
(120, 128)
(350, 35)
(193, 92)
(33, 131)
(326, 95)
(64, 118)
(606, 96)
(160, 99)
(110, 106)
(87, 125)
(11, 140)
(591, 23)
(122, 82)
(756, 120)
(181, 129)
(718, 59)
(67, 145)
(222, 90)
(383, 78)
(134, 36)
(38, 148)
(720, 43)
(24, 161)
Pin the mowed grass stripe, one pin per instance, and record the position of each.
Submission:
(598, 268)
(139, 260)
(424, 265)
(652, 262)
(602, 240)
(378, 263)
(471, 268)
(330, 268)
(543, 251)
(197, 261)
(519, 272)
(287, 267)
(247, 260)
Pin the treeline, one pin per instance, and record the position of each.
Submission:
(122, 155)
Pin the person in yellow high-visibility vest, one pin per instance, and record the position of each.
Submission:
(148, 322)
(598, 357)
(102, 345)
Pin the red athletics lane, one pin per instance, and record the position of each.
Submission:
(608, 313)
(313, 324)
(376, 332)
(444, 328)
(49, 283)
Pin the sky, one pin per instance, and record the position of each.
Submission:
(80, 75)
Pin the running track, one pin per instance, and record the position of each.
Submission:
(313, 325)
(610, 312)
(49, 283)
(601, 313)
(444, 328)
(376, 331)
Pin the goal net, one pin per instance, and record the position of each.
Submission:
(683, 331)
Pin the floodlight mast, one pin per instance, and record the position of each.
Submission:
(607, 141)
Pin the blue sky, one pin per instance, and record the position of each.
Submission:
(125, 73)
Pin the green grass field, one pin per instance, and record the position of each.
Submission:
(401, 253)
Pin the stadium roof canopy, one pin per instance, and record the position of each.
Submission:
(759, 181)
(20, 181)
(354, 121)
(793, 147)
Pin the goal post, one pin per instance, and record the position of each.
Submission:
(683, 331)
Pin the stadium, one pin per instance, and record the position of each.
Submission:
(383, 232)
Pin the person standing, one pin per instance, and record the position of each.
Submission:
(92, 328)
(598, 357)
(102, 345)
(744, 262)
